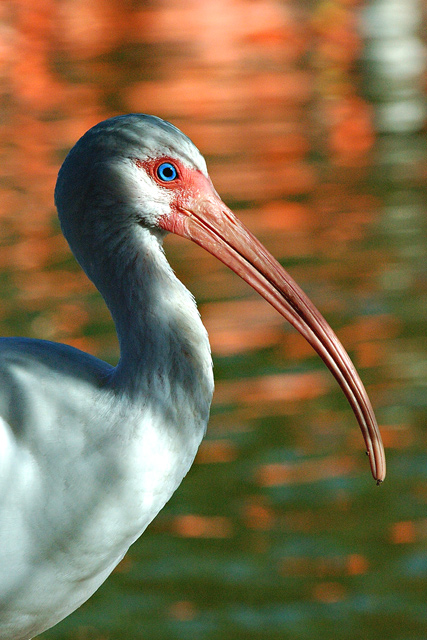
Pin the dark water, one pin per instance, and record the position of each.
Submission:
(278, 531)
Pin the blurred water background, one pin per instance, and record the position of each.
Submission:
(311, 114)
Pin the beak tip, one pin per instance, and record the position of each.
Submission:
(378, 468)
(380, 474)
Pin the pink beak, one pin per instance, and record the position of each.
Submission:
(209, 222)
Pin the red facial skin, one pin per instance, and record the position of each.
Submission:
(198, 213)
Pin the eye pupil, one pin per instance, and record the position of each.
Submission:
(167, 172)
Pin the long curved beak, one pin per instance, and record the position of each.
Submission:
(210, 223)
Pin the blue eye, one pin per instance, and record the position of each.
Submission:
(167, 172)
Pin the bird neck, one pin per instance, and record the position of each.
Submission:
(163, 343)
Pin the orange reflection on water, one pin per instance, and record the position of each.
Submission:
(241, 325)
(403, 532)
(258, 514)
(276, 474)
(183, 610)
(272, 388)
(214, 451)
(196, 526)
(330, 592)
(326, 566)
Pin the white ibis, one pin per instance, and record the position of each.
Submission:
(90, 453)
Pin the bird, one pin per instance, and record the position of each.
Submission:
(90, 452)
